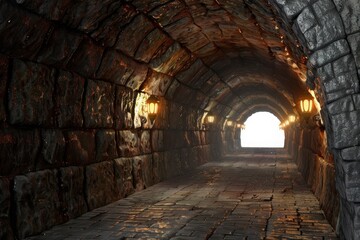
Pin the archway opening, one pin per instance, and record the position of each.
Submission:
(262, 131)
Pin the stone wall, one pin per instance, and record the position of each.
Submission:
(308, 146)
(69, 144)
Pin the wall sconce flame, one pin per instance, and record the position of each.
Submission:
(153, 107)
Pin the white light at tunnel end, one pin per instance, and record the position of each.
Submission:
(262, 131)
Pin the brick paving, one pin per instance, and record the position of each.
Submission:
(242, 197)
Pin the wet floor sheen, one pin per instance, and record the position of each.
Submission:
(242, 197)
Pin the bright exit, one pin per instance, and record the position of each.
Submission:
(262, 131)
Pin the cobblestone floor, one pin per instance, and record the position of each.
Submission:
(248, 197)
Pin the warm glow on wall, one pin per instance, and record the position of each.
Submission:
(152, 107)
(292, 118)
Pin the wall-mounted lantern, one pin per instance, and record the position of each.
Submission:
(229, 123)
(210, 118)
(238, 125)
(292, 118)
(306, 106)
(153, 107)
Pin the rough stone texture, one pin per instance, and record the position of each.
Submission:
(156, 84)
(354, 42)
(6, 230)
(348, 220)
(4, 65)
(59, 48)
(18, 151)
(116, 67)
(124, 108)
(351, 153)
(105, 145)
(86, 59)
(172, 161)
(342, 105)
(320, 24)
(53, 148)
(291, 8)
(69, 96)
(100, 184)
(349, 10)
(331, 52)
(338, 79)
(72, 191)
(22, 34)
(159, 170)
(37, 203)
(145, 142)
(30, 94)
(151, 44)
(128, 143)
(142, 172)
(157, 140)
(348, 134)
(109, 28)
(131, 37)
(123, 176)
(80, 147)
(99, 104)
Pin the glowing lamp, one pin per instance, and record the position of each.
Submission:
(292, 118)
(153, 107)
(306, 105)
(229, 123)
(210, 118)
(239, 125)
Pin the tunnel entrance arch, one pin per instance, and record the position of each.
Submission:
(262, 131)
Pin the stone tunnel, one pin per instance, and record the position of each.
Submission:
(75, 77)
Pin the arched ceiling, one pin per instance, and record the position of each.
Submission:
(226, 56)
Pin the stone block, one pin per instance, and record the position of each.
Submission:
(86, 59)
(142, 172)
(22, 34)
(341, 105)
(351, 153)
(37, 203)
(59, 48)
(109, 28)
(86, 16)
(31, 94)
(349, 10)
(157, 140)
(72, 190)
(350, 220)
(6, 230)
(292, 8)
(4, 198)
(116, 67)
(168, 13)
(170, 93)
(69, 96)
(348, 134)
(105, 145)
(145, 142)
(319, 25)
(53, 148)
(124, 107)
(4, 65)
(100, 185)
(172, 163)
(128, 143)
(18, 151)
(99, 104)
(151, 44)
(138, 77)
(174, 59)
(156, 83)
(329, 53)
(131, 37)
(184, 160)
(159, 168)
(354, 42)
(80, 147)
(124, 177)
